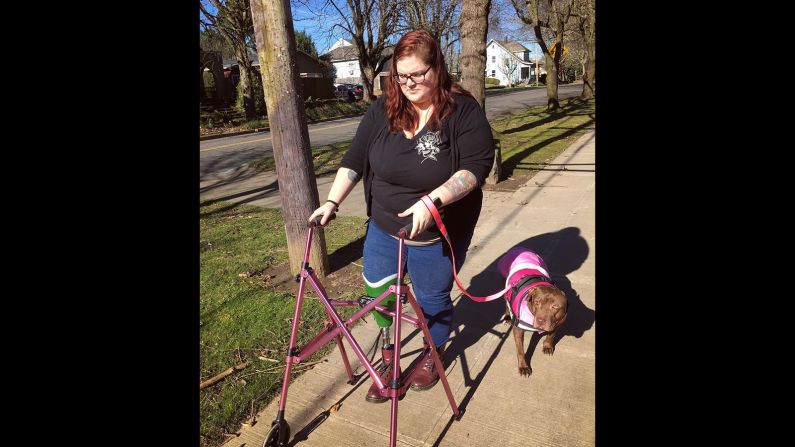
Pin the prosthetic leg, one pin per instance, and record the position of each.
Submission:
(384, 321)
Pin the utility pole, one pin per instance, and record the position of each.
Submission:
(273, 30)
(536, 51)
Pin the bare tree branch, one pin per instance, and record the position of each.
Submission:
(547, 16)
(369, 24)
(233, 20)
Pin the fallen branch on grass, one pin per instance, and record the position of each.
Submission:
(217, 378)
(274, 369)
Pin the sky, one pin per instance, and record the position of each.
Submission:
(304, 20)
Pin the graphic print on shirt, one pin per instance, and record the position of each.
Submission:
(428, 146)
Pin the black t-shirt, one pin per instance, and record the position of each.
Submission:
(403, 171)
(398, 171)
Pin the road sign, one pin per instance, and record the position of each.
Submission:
(552, 50)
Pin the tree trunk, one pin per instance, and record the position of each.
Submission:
(202, 93)
(244, 64)
(218, 79)
(589, 76)
(273, 29)
(248, 92)
(474, 24)
(368, 79)
(552, 68)
(552, 83)
(588, 31)
(496, 170)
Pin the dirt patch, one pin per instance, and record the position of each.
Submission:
(345, 282)
(510, 184)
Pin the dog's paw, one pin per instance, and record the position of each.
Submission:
(549, 349)
(525, 371)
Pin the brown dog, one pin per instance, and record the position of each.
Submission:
(548, 305)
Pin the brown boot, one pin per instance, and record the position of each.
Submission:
(427, 376)
(385, 371)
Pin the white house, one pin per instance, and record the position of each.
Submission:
(341, 42)
(510, 60)
(344, 56)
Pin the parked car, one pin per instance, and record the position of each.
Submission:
(348, 92)
(341, 91)
(358, 91)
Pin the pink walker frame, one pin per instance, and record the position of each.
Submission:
(337, 328)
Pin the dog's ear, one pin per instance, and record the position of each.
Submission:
(532, 294)
(559, 301)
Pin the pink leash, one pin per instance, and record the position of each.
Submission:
(443, 230)
(436, 217)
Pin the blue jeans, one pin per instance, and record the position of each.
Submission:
(431, 271)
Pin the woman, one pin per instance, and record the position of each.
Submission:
(424, 136)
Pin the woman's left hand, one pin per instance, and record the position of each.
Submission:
(421, 218)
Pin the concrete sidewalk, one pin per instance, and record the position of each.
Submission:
(554, 215)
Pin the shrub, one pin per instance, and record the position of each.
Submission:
(211, 120)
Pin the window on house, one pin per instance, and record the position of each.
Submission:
(493, 73)
(494, 59)
(351, 67)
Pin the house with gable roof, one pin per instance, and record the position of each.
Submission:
(345, 58)
(507, 58)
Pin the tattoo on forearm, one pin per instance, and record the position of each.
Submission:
(460, 184)
(353, 176)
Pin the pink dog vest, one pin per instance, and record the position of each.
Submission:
(523, 270)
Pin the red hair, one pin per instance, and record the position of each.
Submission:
(399, 112)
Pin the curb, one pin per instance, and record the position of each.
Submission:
(499, 91)
(266, 129)
(233, 134)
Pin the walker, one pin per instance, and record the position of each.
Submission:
(279, 434)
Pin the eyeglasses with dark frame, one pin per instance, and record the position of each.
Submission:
(417, 78)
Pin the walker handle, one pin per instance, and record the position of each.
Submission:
(316, 222)
(405, 231)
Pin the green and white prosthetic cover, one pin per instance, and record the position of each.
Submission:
(375, 289)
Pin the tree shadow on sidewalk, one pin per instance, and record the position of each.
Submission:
(509, 164)
(254, 194)
(570, 109)
(564, 251)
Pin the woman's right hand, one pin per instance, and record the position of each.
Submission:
(325, 210)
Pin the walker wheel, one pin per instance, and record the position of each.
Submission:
(272, 439)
